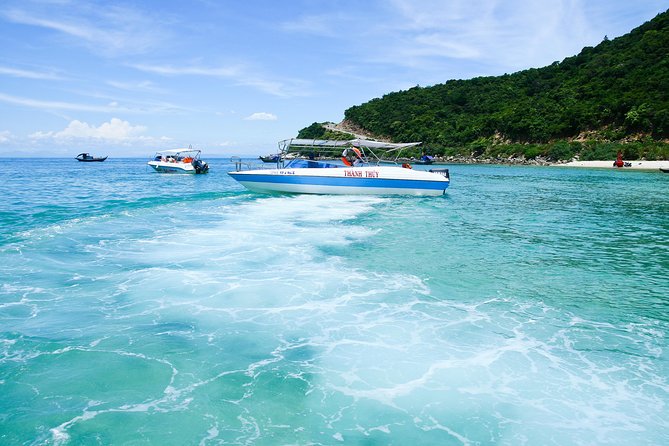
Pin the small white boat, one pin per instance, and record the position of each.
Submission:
(179, 161)
(355, 175)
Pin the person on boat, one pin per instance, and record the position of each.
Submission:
(352, 157)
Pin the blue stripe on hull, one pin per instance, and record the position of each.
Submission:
(340, 181)
(293, 188)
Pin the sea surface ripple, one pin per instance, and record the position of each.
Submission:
(527, 306)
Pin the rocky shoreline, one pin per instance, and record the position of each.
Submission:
(512, 161)
(357, 132)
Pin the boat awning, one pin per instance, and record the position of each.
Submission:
(382, 145)
(325, 143)
(358, 142)
(175, 151)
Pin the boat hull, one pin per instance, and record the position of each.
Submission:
(172, 167)
(91, 160)
(167, 167)
(344, 181)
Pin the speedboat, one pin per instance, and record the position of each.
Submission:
(179, 161)
(355, 173)
(88, 158)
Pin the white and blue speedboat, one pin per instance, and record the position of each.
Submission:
(179, 161)
(355, 175)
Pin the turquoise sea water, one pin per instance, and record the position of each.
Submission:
(527, 306)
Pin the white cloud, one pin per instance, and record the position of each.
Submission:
(429, 14)
(112, 106)
(261, 116)
(439, 39)
(509, 34)
(236, 73)
(168, 70)
(328, 25)
(140, 86)
(112, 30)
(5, 136)
(53, 105)
(437, 44)
(27, 74)
(114, 130)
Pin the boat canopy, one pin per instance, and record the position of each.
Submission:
(306, 143)
(175, 151)
(367, 146)
(357, 142)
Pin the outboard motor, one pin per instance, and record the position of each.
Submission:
(200, 166)
(443, 172)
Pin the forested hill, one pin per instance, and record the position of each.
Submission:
(616, 90)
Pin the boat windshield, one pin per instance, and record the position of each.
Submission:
(301, 163)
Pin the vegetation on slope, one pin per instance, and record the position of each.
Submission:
(612, 97)
(318, 131)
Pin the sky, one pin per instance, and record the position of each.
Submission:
(129, 78)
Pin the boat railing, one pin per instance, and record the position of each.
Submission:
(240, 164)
(247, 164)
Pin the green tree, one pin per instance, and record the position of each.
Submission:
(615, 90)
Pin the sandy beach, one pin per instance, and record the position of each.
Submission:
(636, 165)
